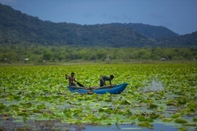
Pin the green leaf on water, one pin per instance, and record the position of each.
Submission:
(2, 106)
(182, 101)
(195, 119)
(180, 121)
(154, 116)
(106, 122)
(167, 119)
(125, 102)
(189, 124)
(25, 114)
(152, 106)
(106, 109)
(176, 115)
(28, 105)
(143, 118)
(145, 124)
(41, 106)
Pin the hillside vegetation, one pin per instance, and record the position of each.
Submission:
(188, 40)
(24, 38)
(150, 31)
(17, 28)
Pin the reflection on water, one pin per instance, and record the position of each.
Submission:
(10, 124)
(157, 127)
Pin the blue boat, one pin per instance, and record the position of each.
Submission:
(117, 89)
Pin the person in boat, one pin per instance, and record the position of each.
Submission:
(71, 79)
(103, 80)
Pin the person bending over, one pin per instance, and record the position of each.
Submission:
(103, 80)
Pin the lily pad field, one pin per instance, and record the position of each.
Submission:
(37, 97)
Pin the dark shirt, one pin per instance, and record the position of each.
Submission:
(105, 78)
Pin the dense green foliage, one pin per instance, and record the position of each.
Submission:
(36, 54)
(157, 93)
(184, 41)
(24, 38)
(153, 32)
(17, 28)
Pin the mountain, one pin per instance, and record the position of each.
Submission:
(188, 40)
(153, 32)
(17, 28)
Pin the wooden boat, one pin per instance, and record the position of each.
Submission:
(116, 89)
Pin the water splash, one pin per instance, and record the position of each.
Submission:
(154, 86)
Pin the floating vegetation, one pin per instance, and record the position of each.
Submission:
(156, 92)
(180, 121)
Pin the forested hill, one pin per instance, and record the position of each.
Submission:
(188, 40)
(17, 27)
(154, 32)
(20, 28)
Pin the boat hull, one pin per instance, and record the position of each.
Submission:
(117, 89)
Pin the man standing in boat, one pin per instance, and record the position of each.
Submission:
(105, 78)
(71, 79)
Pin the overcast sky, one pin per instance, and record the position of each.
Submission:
(179, 16)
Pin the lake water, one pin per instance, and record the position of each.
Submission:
(157, 127)
(52, 125)
(11, 124)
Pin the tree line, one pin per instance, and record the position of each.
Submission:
(40, 54)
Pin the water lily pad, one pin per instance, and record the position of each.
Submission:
(2, 106)
(105, 109)
(152, 106)
(41, 106)
(189, 124)
(167, 119)
(195, 119)
(176, 115)
(145, 124)
(182, 101)
(125, 102)
(154, 116)
(180, 121)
